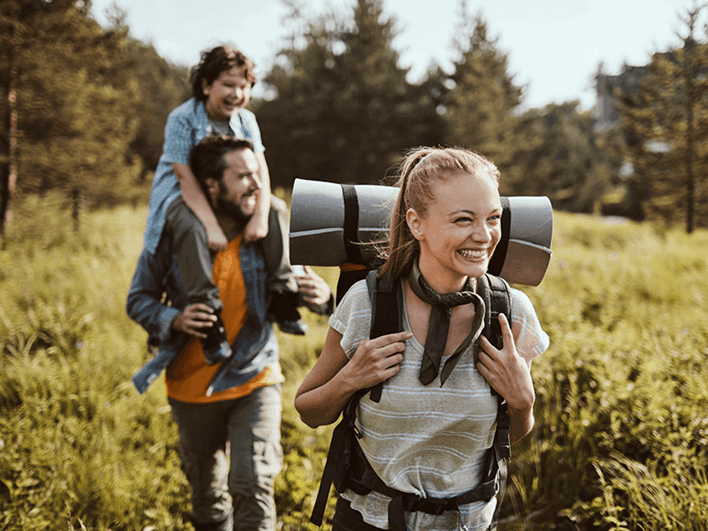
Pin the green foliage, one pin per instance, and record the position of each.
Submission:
(73, 113)
(78, 444)
(88, 101)
(622, 387)
(479, 106)
(342, 109)
(620, 442)
(563, 158)
(664, 116)
(161, 87)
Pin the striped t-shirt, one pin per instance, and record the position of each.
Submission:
(429, 440)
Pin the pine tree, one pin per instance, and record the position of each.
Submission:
(666, 129)
(74, 114)
(481, 96)
(564, 158)
(160, 88)
(14, 18)
(343, 110)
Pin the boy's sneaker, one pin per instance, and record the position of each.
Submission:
(283, 310)
(215, 346)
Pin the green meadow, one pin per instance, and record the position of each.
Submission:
(621, 434)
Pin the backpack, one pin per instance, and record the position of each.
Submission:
(346, 466)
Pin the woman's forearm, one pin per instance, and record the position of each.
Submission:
(322, 405)
(520, 423)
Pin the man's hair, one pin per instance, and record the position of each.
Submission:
(215, 61)
(208, 157)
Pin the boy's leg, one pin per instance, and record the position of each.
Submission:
(194, 259)
(276, 249)
(282, 281)
(196, 267)
(202, 450)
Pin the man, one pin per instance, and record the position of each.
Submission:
(237, 401)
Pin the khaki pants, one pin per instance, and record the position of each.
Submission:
(230, 452)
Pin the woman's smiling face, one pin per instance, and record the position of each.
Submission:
(459, 231)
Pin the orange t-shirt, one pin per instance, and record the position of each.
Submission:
(188, 376)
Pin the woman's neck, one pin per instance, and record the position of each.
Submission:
(441, 282)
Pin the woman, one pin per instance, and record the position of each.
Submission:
(430, 432)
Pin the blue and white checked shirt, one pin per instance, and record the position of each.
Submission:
(186, 126)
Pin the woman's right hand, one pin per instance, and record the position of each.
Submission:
(335, 377)
(376, 360)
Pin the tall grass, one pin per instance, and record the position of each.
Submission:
(621, 424)
(623, 387)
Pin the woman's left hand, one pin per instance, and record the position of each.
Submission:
(506, 371)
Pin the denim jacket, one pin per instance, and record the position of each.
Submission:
(156, 280)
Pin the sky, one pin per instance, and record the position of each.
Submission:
(554, 46)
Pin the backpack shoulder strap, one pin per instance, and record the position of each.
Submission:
(339, 457)
(496, 294)
(384, 305)
(385, 313)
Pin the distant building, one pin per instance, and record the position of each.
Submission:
(629, 81)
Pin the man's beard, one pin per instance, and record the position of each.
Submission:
(232, 210)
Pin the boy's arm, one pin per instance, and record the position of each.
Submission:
(197, 202)
(257, 226)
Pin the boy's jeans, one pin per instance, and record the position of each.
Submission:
(196, 262)
(238, 497)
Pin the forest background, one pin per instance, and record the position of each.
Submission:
(621, 437)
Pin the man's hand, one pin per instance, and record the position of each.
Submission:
(194, 319)
(315, 291)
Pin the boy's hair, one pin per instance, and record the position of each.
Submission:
(215, 61)
(208, 157)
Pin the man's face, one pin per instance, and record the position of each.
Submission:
(239, 187)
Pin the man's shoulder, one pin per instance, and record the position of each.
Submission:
(181, 218)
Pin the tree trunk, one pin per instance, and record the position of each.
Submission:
(76, 206)
(690, 71)
(8, 171)
(690, 178)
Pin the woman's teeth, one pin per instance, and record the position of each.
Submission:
(472, 254)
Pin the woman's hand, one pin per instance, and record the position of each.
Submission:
(507, 372)
(194, 319)
(376, 360)
(335, 378)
